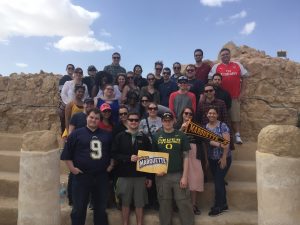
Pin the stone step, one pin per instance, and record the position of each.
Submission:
(11, 142)
(232, 217)
(246, 151)
(240, 195)
(9, 214)
(9, 184)
(242, 170)
(9, 161)
(8, 211)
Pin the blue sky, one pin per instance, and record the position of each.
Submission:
(48, 34)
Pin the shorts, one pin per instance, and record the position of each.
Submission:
(235, 110)
(132, 188)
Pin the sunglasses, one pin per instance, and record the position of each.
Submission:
(210, 90)
(116, 57)
(133, 120)
(182, 82)
(144, 100)
(123, 114)
(190, 70)
(151, 79)
(106, 111)
(152, 108)
(158, 68)
(188, 113)
(166, 73)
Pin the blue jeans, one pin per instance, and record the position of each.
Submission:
(83, 186)
(219, 176)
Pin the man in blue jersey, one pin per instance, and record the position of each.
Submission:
(87, 155)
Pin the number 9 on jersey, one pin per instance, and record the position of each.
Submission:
(96, 149)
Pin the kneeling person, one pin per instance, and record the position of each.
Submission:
(131, 184)
(174, 184)
(87, 155)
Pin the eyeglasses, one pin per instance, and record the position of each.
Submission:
(152, 108)
(166, 73)
(210, 90)
(176, 67)
(106, 111)
(144, 100)
(151, 79)
(158, 68)
(133, 120)
(188, 113)
(116, 57)
(123, 114)
(190, 70)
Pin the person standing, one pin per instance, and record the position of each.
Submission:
(182, 98)
(61, 106)
(220, 93)
(202, 68)
(219, 156)
(115, 67)
(167, 87)
(233, 75)
(158, 67)
(90, 79)
(87, 155)
(174, 183)
(177, 72)
(195, 86)
(131, 184)
(138, 78)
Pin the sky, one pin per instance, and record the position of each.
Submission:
(48, 34)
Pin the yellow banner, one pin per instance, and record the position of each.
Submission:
(196, 129)
(152, 162)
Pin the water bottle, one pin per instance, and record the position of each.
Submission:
(62, 193)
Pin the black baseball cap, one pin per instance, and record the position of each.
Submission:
(167, 115)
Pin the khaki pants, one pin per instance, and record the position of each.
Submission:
(167, 189)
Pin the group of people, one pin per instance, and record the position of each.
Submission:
(107, 116)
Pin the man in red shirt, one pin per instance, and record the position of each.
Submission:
(233, 74)
(202, 68)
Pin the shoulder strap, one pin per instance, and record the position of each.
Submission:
(147, 122)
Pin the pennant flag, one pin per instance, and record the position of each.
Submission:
(197, 130)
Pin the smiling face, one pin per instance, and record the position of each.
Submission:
(225, 56)
(212, 115)
(151, 79)
(92, 120)
(108, 91)
(121, 80)
(190, 72)
(123, 114)
(152, 109)
(133, 122)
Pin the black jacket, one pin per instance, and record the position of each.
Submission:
(123, 149)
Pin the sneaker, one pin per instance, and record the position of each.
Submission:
(196, 210)
(215, 211)
(238, 139)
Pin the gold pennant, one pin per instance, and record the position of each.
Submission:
(197, 130)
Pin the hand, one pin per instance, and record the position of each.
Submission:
(223, 162)
(134, 158)
(183, 182)
(148, 183)
(76, 171)
(109, 168)
(160, 174)
(184, 126)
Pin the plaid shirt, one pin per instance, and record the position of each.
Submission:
(114, 70)
(203, 109)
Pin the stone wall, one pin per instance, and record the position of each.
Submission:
(28, 102)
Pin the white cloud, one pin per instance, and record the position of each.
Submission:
(248, 28)
(4, 42)
(239, 15)
(233, 18)
(104, 33)
(22, 65)
(82, 44)
(45, 18)
(214, 3)
(119, 47)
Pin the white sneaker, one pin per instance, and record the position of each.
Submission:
(238, 139)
